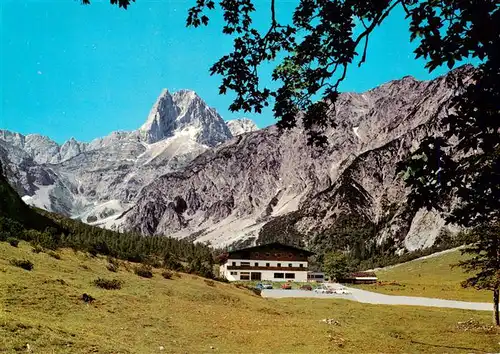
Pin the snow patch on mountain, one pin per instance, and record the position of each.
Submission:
(41, 198)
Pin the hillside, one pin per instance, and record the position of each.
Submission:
(42, 308)
(429, 277)
(52, 231)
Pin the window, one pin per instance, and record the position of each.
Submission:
(277, 254)
(234, 264)
(245, 276)
(278, 276)
(234, 273)
(301, 265)
(290, 275)
(245, 263)
(302, 255)
(268, 264)
(256, 264)
(290, 255)
(279, 264)
(257, 254)
(290, 265)
(268, 254)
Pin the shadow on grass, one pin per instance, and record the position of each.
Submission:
(448, 346)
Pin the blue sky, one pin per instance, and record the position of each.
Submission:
(68, 70)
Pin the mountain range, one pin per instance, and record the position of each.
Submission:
(99, 180)
(187, 173)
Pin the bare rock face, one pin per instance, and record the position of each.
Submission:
(265, 185)
(186, 113)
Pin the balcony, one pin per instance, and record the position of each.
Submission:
(254, 268)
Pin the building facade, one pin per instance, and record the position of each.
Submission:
(360, 278)
(271, 262)
(318, 277)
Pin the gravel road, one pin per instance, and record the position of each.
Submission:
(376, 298)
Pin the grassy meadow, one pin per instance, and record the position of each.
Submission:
(430, 277)
(41, 311)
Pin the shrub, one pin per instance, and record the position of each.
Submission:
(257, 291)
(144, 271)
(98, 248)
(87, 298)
(4, 235)
(153, 261)
(54, 255)
(221, 280)
(37, 249)
(108, 284)
(45, 239)
(209, 282)
(14, 242)
(167, 274)
(22, 263)
(56, 281)
(170, 262)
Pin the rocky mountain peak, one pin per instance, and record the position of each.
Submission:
(241, 126)
(185, 98)
(71, 148)
(184, 112)
(161, 119)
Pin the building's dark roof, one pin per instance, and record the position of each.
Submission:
(363, 275)
(272, 245)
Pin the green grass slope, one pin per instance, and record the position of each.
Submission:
(187, 314)
(429, 277)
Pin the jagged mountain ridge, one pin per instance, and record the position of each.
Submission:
(97, 181)
(242, 190)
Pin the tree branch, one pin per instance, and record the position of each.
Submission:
(273, 14)
(363, 58)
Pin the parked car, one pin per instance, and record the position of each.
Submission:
(261, 286)
(341, 291)
(323, 290)
(286, 286)
(306, 287)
